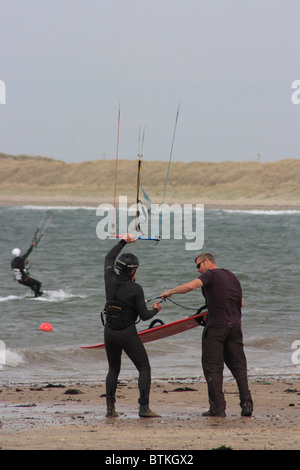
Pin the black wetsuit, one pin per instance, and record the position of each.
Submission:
(21, 274)
(121, 288)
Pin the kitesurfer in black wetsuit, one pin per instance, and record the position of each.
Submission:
(18, 265)
(125, 303)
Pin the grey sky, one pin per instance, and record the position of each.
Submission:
(67, 64)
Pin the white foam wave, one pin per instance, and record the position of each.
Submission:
(56, 208)
(9, 297)
(12, 359)
(263, 211)
(48, 296)
(58, 296)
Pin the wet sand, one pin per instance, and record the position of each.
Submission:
(57, 416)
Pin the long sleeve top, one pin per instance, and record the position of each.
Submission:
(122, 288)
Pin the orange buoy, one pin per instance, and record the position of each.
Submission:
(46, 327)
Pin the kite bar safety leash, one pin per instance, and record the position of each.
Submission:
(116, 171)
(138, 186)
(170, 157)
(175, 303)
(37, 239)
(199, 320)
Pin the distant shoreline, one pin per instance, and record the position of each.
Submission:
(228, 185)
(67, 200)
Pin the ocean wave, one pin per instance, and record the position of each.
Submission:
(58, 296)
(10, 297)
(58, 357)
(71, 362)
(270, 343)
(48, 296)
(56, 208)
(130, 208)
(12, 359)
(263, 211)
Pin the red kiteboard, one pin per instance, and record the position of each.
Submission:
(163, 331)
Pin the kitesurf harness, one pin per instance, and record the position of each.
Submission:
(116, 314)
(22, 275)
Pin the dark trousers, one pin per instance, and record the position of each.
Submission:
(219, 346)
(126, 340)
(34, 285)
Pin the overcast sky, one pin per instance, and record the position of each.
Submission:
(67, 64)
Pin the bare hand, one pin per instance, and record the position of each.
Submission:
(166, 294)
(129, 238)
(157, 305)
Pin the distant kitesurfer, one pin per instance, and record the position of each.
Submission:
(125, 302)
(222, 339)
(21, 273)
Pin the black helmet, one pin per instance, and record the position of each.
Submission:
(126, 262)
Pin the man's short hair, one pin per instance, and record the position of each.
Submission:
(204, 256)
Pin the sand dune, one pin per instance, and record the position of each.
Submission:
(251, 183)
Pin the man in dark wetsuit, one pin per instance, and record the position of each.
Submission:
(18, 265)
(222, 339)
(125, 302)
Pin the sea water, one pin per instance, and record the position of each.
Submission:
(261, 247)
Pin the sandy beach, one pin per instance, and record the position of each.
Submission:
(72, 416)
(227, 185)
